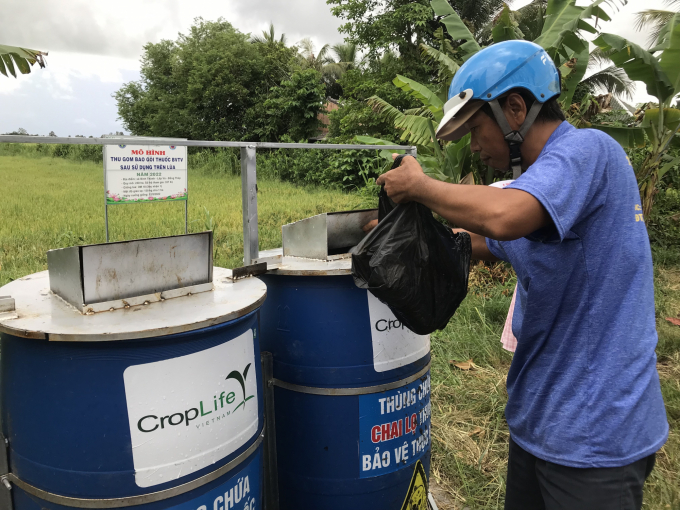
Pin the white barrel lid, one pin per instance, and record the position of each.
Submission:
(43, 315)
(279, 264)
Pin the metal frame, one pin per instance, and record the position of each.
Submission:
(130, 500)
(248, 170)
(344, 392)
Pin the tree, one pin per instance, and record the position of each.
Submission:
(208, 84)
(293, 108)
(14, 57)
(659, 123)
(402, 25)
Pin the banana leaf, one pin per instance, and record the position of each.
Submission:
(455, 27)
(422, 93)
(627, 137)
(506, 28)
(416, 129)
(670, 58)
(384, 109)
(573, 73)
(668, 166)
(671, 118)
(385, 154)
(639, 64)
(445, 62)
(564, 19)
(22, 58)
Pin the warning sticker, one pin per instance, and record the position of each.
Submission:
(394, 428)
(416, 497)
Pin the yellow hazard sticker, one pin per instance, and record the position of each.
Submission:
(416, 497)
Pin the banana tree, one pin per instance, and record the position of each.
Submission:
(14, 57)
(659, 69)
(560, 36)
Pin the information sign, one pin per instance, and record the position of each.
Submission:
(145, 173)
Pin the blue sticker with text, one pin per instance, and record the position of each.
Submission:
(243, 491)
(394, 428)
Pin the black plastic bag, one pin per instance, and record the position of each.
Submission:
(413, 264)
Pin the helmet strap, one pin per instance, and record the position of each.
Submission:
(515, 138)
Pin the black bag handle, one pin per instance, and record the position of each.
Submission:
(385, 204)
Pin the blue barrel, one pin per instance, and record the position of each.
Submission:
(173, 421)
(352, 395)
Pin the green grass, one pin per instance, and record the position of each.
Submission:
(469, 432)
(48, 203)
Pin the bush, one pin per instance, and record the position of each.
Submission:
(323, 167)
(664, 222)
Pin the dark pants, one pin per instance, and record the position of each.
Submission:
(534, 484)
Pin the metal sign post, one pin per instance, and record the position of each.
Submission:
(144, 174)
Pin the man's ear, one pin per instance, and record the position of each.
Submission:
(515, 110)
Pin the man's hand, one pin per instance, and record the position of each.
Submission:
(403, 183)
(370, 226)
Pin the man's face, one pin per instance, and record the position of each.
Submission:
(487, 139)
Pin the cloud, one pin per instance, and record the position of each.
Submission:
(83, 122)
(122, 28)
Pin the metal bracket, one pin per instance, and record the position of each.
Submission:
(343, 392)
(271, 471)
(5, 495)
(7, 308)
(246, 271)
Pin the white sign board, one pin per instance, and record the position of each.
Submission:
(187, 413)
(145, 173)
(394, 345)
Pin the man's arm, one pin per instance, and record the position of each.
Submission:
(480, 251)
(500, 214)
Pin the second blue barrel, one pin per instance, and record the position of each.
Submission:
(352, 394)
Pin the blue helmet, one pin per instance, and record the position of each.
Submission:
(488, 75)
(492, 72)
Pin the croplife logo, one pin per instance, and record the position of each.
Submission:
(151, 422)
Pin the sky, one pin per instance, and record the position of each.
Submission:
(95, 45)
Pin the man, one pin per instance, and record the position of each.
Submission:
(584, 409)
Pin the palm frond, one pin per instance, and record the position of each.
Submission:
(346, 54)
(653, 20)
(613, 80)
(268, 36)
(599, 59)
(323, 56)
(306, 47)
(531, 18)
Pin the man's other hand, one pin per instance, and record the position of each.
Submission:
(402, 183)
(370, 226)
